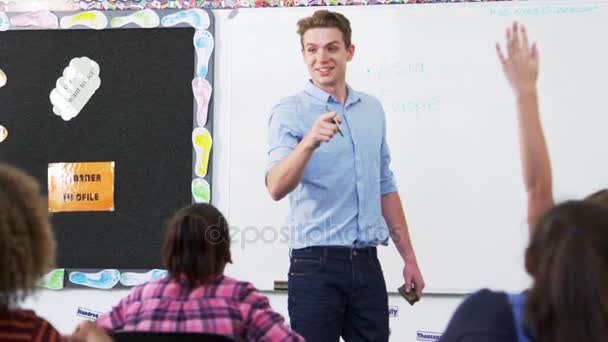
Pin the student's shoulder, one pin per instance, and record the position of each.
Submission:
(244, 290)
(483, 311)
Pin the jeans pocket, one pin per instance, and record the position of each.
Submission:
(305, 266)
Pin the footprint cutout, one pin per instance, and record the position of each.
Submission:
(202, 142)
(145, 18)
(3, 133)
(4, 22)
(202, 94)
(196, 17)
(92, 19)
(134, 278)
(201, 191)
(105, 279)
(41, 19)
(54, 279)
(3, 78)
(203, 45)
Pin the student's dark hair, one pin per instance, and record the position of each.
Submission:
(27, 244)
(600, 196)
(568, 259)
(326, 19)
(197, 244)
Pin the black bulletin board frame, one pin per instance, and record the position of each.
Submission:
(141, 118)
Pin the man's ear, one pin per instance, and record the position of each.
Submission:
(350, 52)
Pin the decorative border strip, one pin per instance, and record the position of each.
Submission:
(186, 4)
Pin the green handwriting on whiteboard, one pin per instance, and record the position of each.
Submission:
(415, 105)
(395, 69)
(540, 10)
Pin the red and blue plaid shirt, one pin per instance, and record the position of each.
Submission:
(222, 306)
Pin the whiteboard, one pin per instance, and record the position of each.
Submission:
(451, 128)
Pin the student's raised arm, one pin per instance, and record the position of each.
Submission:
(520, 66)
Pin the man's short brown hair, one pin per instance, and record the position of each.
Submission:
(326, 19)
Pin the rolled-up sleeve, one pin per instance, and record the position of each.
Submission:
(387, 179)
(283, 135)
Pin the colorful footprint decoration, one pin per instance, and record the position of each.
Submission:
(104, 280)
(145, 18)
(4, 22)
(202, 94)
(92, 19)
(196, 17)
(53, 280)
(201, 191)
(41, 19)
(203, 45)
(134, 279)
(3, 78)
(202, 142)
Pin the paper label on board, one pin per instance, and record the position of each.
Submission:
(75, 88)
(81, 186)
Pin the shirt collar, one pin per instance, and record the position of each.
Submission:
(319, 94)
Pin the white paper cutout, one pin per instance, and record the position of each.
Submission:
(4, 22)
(202, 93)
(3, 133)
(145, 18)
(93, 19)
(79, 82)
(202, 143)
(41, 19)
(203, 45)
(196, 17)
(3, 78)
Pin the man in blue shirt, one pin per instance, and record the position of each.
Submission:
(328, 151)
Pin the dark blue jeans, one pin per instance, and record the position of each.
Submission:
(337, 291)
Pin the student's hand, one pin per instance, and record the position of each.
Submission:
(88, 331)
(323, 129)
(412, 274)
(520, 64)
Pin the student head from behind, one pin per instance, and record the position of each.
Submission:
(568, 260)
(326, 48)
(27, 244)
(600, 196)
(197, 244)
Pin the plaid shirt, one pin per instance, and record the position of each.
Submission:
(222, 306)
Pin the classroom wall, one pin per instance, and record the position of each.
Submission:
(66, 308)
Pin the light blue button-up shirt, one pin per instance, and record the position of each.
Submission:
(338, 201)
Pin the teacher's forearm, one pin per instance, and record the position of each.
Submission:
(287, 174)
(394, 215)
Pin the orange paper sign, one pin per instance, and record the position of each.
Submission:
(81, 186)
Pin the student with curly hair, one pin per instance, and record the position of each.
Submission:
(27, 252)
